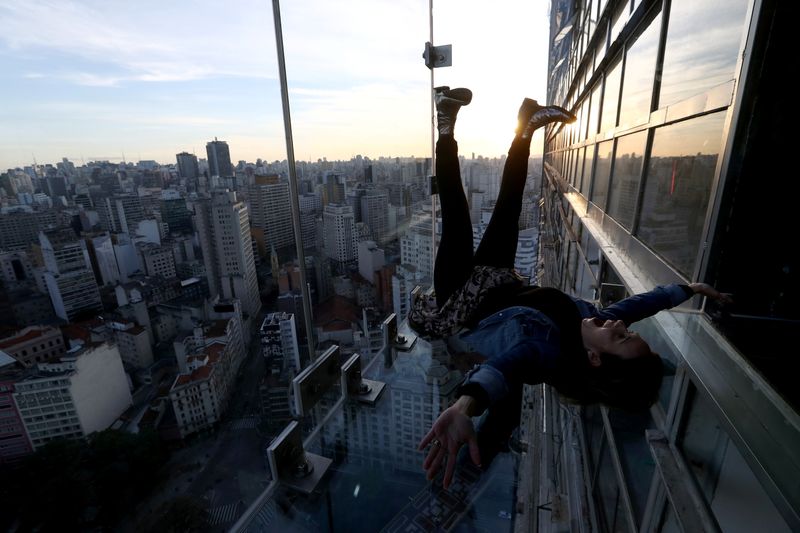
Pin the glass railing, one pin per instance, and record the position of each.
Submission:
(375, 481)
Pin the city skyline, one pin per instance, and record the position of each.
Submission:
(98, 81)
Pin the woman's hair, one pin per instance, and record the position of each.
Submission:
(629, 384)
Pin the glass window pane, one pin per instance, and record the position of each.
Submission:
(600, 50)
(640, 68)
(724, 478)
(699, 55)
(609, 497)
(628, 162)
(619, 20)
(611, 98)
(634, 453)
(594, 111)
(587, 169)
(602, 173)
(677, 188)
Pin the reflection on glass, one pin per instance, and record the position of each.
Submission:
(611, 506)
(640, 67)
(619, 20)
(602, 173)
(699, 55)
(602, 42)
(611, 98)
(723, 476)
(628, 162)
(634, 453)
(586, 176)
(376, 481)
(677, 188)
(594, 110)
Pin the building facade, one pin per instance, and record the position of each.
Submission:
(223, 226)
(340, 233)
(270, 211)
(34, 344)
(661, 180)
(84, 391)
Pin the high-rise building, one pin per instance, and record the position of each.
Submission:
(374, 214)
(279, 342)
(416, 246)
(20, 226)
(219, 159)
(673, 173)
(157, 260)
(223, 227)
(68, 274)
(83, 391)
(187, 165)
(14, 444)
(270, 211)
(121, 213)
(175, 215)
(340, 233)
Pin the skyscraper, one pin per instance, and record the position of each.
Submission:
(270, 211)
(187, 165)
(68, 274)
(673, 174)
(374, 213)
(340, 233)
(223, 226)
(219, 159)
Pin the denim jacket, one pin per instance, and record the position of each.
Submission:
(523, 343)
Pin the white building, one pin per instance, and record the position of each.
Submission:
(223, 225)
(84, 391)
(416, 246)
(279, 342)
(370, 259)
(340, 233)
(68, 274)
(133, 342)
(404, 279)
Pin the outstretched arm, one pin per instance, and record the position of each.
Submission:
(640, 306)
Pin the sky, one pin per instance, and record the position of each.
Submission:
(99, 79)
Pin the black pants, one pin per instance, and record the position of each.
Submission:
(498, 247)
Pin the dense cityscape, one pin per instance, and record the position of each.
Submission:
(163, 302)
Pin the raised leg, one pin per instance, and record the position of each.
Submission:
(498, 246)
(454, 257)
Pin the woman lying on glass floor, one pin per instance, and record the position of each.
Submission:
(529, 334)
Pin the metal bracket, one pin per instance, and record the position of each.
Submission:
(364, 390)
(292, 465)
(438, 56)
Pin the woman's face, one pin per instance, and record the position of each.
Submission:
(611, 336)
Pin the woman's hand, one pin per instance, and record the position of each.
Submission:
(450, 431)
(707, 290)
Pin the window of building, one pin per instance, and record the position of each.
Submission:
(699, 56)
(723, 477)
(640, 69)
(586, 172)
(677, 187)
(602, 172)
(627, 173)
(594, 111)
(608, 119)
